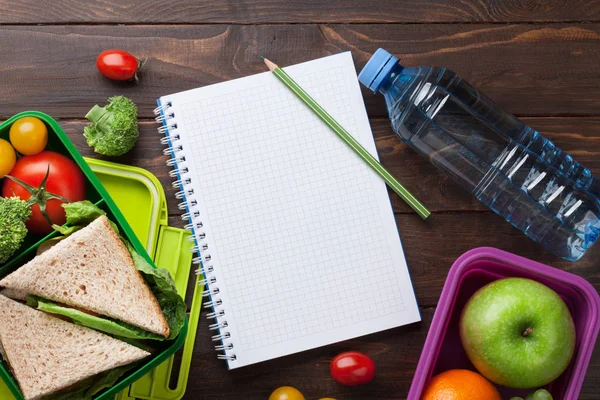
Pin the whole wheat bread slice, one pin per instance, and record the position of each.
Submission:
(14, 294)
(47, 354)
(92, 270)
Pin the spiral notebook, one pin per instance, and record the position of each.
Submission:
(295, 234)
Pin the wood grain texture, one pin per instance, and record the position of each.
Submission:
(268, 11)
(532, 69)
(543, 67)
(577, 136)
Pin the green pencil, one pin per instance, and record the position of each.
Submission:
(396, 186)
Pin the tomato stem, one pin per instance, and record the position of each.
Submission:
(39, 195)
(141, 63)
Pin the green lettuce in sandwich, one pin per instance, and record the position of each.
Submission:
(95, 278)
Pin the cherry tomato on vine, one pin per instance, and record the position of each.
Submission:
(119, 65)
(28, 135)
(63, 178)
(286, 393)
(8, 158)
(352, 368)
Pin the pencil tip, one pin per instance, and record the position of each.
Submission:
(262, 58)
(270, 64)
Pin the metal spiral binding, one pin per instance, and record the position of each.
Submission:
(213, 303)
(203, 282)
(165, 116)
(204, 270)
(215, 314)
(223, 347)
(221, 337)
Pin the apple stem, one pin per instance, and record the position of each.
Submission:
(527, 332)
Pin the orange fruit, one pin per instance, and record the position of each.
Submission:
(460, 384)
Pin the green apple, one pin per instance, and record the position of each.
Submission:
(518, 333)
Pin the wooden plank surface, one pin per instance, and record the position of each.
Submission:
(296, 11)
(516, 65)
(535, 58)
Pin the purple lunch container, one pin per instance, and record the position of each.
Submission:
(476, 268)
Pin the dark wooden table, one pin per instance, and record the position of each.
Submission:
(538, 59)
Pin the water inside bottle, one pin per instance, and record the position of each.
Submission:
(536, 187)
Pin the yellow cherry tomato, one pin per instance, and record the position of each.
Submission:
(8, 158)
(286, 393)
(29, 135)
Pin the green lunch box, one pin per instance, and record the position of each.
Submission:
(134, 199)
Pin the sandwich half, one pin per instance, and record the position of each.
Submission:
(48, 355)
(93, 271)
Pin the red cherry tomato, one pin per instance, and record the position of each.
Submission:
(119, 65)
(64, 179)
(352, 368)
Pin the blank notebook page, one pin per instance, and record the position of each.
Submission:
(298, 230)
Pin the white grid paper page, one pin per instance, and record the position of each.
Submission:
(300, 230)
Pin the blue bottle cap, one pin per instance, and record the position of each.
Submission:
(377, 69)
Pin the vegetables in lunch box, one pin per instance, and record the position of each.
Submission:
(45, 180)
(119, 65)
(29, 135)
(159, 280)
(80, 214)
(99, 323)
(8, 158)
(13, 214)
(163, 286)
(114, 129)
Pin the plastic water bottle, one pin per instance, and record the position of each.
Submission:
(507, 165)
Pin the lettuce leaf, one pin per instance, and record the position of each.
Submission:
(79, 215)
(66, 230)
(162, 285)
(102, 324)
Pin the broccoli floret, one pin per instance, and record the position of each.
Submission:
(114, 128)
(13, 214)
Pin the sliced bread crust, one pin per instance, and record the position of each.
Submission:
(47, 354)
(93, 270)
